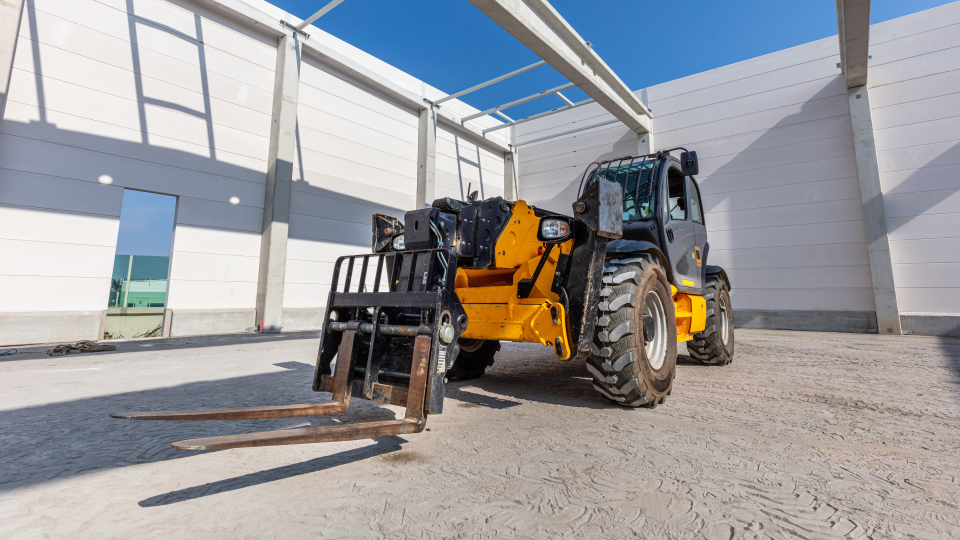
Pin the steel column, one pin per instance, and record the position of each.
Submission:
(874, 215)
(276, 208)
(427, 157)
(509, 175)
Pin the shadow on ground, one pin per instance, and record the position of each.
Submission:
(384, 445)
(61, 440)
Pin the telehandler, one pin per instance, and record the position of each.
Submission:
(618, 285)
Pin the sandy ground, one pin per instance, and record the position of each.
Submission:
(805, 435)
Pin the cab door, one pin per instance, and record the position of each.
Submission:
(680, 236)
(699, 226)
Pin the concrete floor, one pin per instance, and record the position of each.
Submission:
(805, 435)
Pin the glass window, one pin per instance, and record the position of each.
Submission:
(638, 189)
(676, 195)
(696, 209)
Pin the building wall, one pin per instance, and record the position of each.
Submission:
(147, 95)
(174, 97)
(914, 87)
(778, 173)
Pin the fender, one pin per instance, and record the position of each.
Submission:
(637, 247)
(718, 270)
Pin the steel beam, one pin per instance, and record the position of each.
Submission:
(11, 11)
(491, 81)
(520, 101)
(512, 123)
(564, 98)
(323, 11)
(568, 132)
(853, 22)
(276, 209)
(538, 26)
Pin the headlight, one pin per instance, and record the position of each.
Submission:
(398, 243)
(552, 229)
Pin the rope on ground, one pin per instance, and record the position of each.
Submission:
(80, 347)
(9, 352)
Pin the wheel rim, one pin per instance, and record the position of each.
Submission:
(724, 321)
(470, 345)
(654, 330)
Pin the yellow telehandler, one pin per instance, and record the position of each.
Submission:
(617, 285)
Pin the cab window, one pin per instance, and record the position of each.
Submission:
(636, 179)
(696, 209)
(676, 195)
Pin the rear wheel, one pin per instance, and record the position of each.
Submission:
(714, 346)
(476, 355)
(635, 356)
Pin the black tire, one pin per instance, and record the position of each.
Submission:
(714, 346)
(627, 330)
(476, 355)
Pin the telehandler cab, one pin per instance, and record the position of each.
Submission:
(617, 286)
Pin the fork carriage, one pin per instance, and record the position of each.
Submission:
(391, 335)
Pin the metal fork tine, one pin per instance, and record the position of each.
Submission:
(339, 405)
(414, 420)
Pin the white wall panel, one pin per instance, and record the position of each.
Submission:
(928, 300)
(913, 82)
(42, 293)
(925, 202)
(918, 111)
(184, 47)
(925, 250)
(924, 87)
(190, 239)
(58, 226)
(814, 299)
(49, 192)
(790, 257)
(187, 294)
(214, 267)
(26, 258)
(829, 211)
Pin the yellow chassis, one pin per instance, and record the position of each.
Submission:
(490, 300)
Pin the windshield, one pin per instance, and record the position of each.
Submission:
(638, 190)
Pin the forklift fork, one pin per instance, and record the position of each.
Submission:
(408, 294)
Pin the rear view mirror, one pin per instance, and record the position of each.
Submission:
(689, 163)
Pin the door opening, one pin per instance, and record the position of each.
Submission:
(138, 286)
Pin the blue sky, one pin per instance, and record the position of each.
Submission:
(451, 45)
(146, 223)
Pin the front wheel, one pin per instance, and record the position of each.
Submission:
(714, 346)
(476, 355)
(635, 356)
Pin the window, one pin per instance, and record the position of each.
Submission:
(676, 191)
(696, 209)
(638, 189)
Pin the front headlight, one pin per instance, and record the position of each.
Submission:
(553, 229)
(398, 243)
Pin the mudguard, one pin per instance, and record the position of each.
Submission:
(623, 249)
